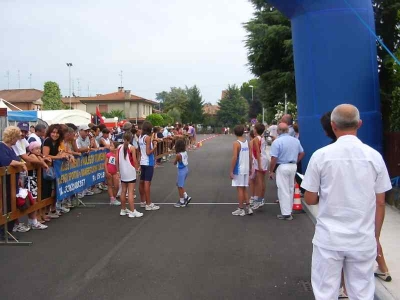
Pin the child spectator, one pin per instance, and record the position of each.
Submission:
(252, 177)
(181, 160)
(147, 148)
(239, 172)
(127, 166)
(31, 184)
(112, 176)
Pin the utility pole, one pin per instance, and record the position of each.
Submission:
(19, 81)
(30, 80)
(285, 103)
(88, 89)
(120, 75)
(79, 87)
(69, 65)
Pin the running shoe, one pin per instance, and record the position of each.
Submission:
(21, 227)
(124, 212)
(115, 202)
(143, 204)
(135, 214)
(239, 212)
(152, 207)
(38, 226)
(187, 200)
(286, 218)
(179, 204)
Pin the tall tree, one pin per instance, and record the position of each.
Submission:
(161, 97)
(176, 98)
(251, 92)
(387, 25)
(52, 96)
(194, 108)
(270, 53)
(233, 108)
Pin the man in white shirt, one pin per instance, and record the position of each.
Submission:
(38, 135)
(273, 130)
(349, 180)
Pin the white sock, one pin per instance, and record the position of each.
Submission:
(185, 194)
(181, 200)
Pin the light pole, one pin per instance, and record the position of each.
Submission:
(285, 103)
(69, 65)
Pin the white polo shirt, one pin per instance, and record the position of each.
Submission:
(347, 174)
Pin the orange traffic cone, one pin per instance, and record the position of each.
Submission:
(297, 206)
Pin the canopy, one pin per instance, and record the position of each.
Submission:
(22, 116)
(74, 116)
(3, 105)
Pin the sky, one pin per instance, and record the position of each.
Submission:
(157, 45)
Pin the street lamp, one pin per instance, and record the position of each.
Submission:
(252, 87)
(69, 65)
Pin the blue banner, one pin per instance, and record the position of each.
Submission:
(86, 171)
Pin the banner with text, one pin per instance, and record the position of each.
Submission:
(72, 178)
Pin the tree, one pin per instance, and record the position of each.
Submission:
(233, 108)
(176, 98)
(155, 119)
(194, 108)
(161, 97)
(251, 92)
(115, 113)
(280, 110)
(175, 115)
(52, 96)
(270, 53)
(167, 120)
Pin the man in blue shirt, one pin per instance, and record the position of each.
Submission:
(286, 151)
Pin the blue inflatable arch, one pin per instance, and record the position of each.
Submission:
(335, 62)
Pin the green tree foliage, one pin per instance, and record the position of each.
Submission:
(395, 111)
(280, 110)
(176, 98)
(175, 114)
(155, 119)
(114, 113)
(161, 97)
(270, 53)
(194, 108)
(251, 92)
(233, 107)
(387, 22)
(167, 120)
(52, 96)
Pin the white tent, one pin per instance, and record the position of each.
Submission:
(3, 105)
(74, 116)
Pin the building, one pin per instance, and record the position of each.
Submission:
(24, 99)
(210, 109)
(135, 108)
(75, 103)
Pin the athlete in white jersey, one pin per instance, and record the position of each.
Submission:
(240, 170)
(147, 160)
(261, 163)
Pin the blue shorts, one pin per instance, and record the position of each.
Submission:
(182, 174)
(146, 173)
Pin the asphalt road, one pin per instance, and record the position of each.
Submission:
(197, 252)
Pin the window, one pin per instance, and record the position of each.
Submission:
(103, 108)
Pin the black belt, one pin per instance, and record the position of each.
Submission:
(277, 165)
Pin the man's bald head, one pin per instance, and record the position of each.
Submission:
(346, 117)
(287, 119)
(283, 128)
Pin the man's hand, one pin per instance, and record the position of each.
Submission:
(232, 176)
(271, 175)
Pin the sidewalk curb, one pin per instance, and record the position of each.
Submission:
(381, 292)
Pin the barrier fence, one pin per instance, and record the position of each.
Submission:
(88, 166)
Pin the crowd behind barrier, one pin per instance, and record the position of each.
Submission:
(8, 177)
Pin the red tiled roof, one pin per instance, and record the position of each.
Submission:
(210, 109)
(21, 95)
(117, 96)
(65, 100)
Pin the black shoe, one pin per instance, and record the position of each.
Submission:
(187, 200)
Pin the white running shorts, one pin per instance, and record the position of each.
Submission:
(240, 180)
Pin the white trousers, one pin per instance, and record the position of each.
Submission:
(358, 268)
(285, 182)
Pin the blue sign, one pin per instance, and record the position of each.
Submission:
(253, 121)
(86, 171)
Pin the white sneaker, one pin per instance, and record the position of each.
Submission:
(248, 211)
(142, 204)
(239, 212)
(53, 215)
(81, 195)
(39, 226)
(255, 205)
(21, 228)
(88, 193)
(63, 209)
(135, 214)
(262, 202)
(152, 207)
(115, 202)
(124, 212)
(96, 190)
